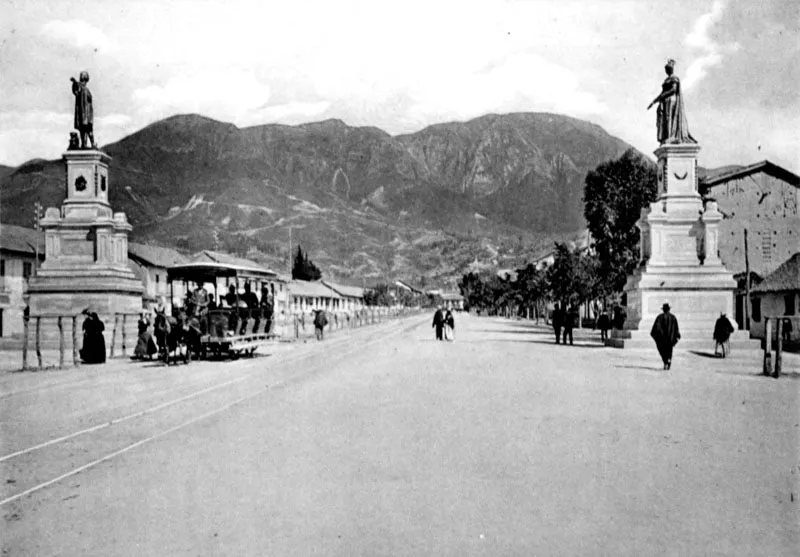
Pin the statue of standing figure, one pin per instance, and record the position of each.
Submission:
(84, 114)
(671, 116)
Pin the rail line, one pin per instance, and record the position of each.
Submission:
(392, 330)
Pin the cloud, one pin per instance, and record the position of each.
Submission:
(77, 33)
(229, 96)
(711, 51)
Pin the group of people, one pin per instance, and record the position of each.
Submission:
(564, 321)
(247, 304)
(444, 324)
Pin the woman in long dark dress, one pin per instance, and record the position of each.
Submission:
(94, 343)
(671, 121)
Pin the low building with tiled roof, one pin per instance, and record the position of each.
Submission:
(150, 264)
(305, 296)
(17, 264)
(776, 296)
(352, 296)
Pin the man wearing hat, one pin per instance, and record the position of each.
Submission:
(666, 334)
(438, 322)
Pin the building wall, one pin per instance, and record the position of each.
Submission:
(768, 208)
(13, 287)
(774, 305)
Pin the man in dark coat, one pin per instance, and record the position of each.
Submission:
(722, 334)
(320, 320)
(604, 324)
(438, 323)
(558, 322)
(666, 334)
(570, 318)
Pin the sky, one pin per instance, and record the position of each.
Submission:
(403, 65)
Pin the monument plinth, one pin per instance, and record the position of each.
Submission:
(679, 261)
(86, 251)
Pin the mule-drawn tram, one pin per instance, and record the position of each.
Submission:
(231, 323)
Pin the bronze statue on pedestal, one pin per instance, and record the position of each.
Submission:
(84, 113)
(671, 116)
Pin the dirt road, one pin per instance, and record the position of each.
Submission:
(385, 442)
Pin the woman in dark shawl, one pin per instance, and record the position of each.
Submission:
(722, 334)
(94, 343)
(670, 116)
(145, 346)
(666, 334)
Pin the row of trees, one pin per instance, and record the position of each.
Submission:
(614, 195)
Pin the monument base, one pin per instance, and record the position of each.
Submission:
(697, 295)
(106, 293)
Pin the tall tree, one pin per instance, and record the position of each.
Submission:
(614, 195)
(303, 268)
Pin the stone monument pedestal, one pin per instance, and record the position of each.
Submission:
(679, 260)
(86, 255)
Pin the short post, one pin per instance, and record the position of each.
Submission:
(124, 335)
(75, 360)
(39, 340)
(25, 322)
(60, 342)
(114, 335)
(767, 347)
(778, 348)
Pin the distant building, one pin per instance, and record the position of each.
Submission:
(405, 285)
(306, 296)
(778, 295)
(17, 265)
(453, 300)
(763, 200)
(352, 296)
(150, 263)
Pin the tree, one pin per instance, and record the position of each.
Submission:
(614, 194)
(303, 268)
(572, 278)
(378, 296)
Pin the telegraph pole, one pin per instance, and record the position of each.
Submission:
(747, 285)
(37, 227)
(290, 251)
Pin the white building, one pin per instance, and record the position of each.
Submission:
(17, 265)
(352, 296)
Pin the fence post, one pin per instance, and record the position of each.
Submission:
(25, 324)
(114, 336)
(778, 348)
(60, 342)
(75, 360)
(124, 336)
(38, 340)
(767, 346)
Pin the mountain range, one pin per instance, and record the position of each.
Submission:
(427, 206)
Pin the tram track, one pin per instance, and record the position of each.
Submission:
(116, 436)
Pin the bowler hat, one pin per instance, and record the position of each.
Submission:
(665, 307)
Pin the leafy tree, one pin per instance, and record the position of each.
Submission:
(303, 268)
(378, 296)
(472, 288)
(572, 278)
(614, 194)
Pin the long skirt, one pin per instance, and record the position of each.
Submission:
(449, 333)
(94, 348)
(145, 346)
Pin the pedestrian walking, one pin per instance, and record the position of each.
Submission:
(722, 334)
(666, 334)
(145, 345)
(558, 322)
(449, 325)
(438, 322)
(570, 317)
(604, 324)
(320, 320)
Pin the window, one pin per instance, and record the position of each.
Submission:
(766, 247)
(788, 301)
(2, 267)
(1, 322)
(756, 309)
(158, 278)
(27, 269)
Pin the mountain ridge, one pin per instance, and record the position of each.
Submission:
(362, 201)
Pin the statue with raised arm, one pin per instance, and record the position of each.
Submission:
(84, 114)
(670, 115)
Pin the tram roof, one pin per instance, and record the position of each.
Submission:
(202, 270)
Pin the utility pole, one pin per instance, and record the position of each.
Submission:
(37, 227)
(746, 285)
(290, 251)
